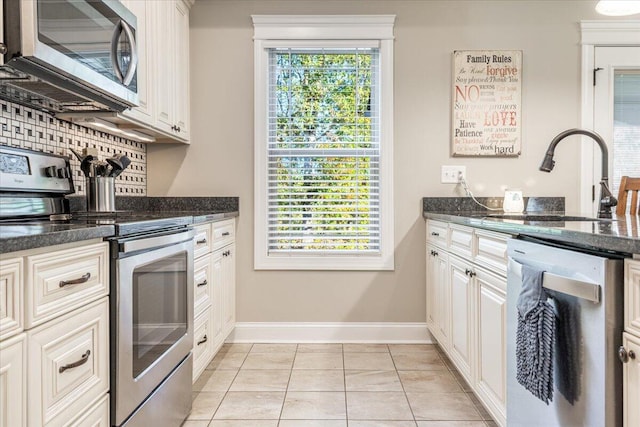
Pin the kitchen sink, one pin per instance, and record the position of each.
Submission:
(544, 217)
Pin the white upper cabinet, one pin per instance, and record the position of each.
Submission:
(163, 70)
(144, 36)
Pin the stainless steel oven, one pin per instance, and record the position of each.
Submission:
(152, 328)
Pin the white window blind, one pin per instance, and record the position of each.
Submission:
(323, 153)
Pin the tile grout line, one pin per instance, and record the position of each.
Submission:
(231, 384)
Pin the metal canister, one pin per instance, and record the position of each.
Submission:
(101, 194)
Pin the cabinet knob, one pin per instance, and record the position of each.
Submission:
(624, 355)
(202, 341)
(201, 241)
(203, 283)
(433, 233)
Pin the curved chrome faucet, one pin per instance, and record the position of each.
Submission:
(607, 201)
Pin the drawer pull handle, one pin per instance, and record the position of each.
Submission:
(433, 233)
(201, 241)
(203, 340)
(226, 233)
(82, 361)
(203, 283)
(83, 279)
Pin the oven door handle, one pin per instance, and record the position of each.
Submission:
(156, 241)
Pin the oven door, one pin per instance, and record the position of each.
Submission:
(152, 316)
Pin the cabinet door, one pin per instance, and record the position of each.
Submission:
(95, 416)
(11, 297)
(631, 382)
(181, 78)
(462, 314)
(438, 302)
(228, 289)
(164, 68)
(145, 13)
(13, 382)
(216, 300)
(63, 280)
(202, 282)
(632, 296)
(68, 364)
(203, 343)
(491, 353)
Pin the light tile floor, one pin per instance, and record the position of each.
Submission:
(333, 385)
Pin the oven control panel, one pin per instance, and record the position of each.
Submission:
(34, 171)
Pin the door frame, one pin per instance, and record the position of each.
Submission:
(596, 34)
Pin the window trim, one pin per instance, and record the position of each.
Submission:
(595, 34)
(271, 30)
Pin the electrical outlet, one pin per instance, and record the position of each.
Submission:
(452, 174)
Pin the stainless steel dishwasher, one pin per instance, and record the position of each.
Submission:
(587, 295)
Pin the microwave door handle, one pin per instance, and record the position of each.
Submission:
(133, 65)
(114, 50)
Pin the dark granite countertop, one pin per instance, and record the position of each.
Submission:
(194, 210)
(19, 237)
(620, 234)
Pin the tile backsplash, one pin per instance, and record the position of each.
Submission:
(25, 127)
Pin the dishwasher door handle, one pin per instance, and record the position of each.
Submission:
(565, 285)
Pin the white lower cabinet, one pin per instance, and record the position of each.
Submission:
(461, 287)
(631, 344)
(203, 343)
(228, 289)
(438, 294)
(491, 321)
(631, 381)
(55, 373)
(215, 311)
(13, 382)
(466, 306)
(68, 365)
(96, 416)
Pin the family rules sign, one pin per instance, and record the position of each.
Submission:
(487, 91)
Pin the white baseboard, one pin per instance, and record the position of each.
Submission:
(347, 332)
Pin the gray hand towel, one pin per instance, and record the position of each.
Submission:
(535, 336)
(568, 351)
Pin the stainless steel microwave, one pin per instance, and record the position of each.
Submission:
(69, 55)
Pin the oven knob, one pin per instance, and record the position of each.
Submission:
(51, 171)
(63, 173)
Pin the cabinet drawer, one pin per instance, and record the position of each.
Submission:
(69, 364)
(202, 343)
(61, 281)
(491, 251)
(224, 232)
(461, 240)
(632, 296)
(11, 297)
(95, 416)
(202, 282)
(437, 233)
(202, 240)
(13, 382)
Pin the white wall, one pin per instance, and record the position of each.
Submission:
(219, 160)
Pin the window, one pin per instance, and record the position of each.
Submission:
(323, 141)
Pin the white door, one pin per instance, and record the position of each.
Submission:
(617, 113)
